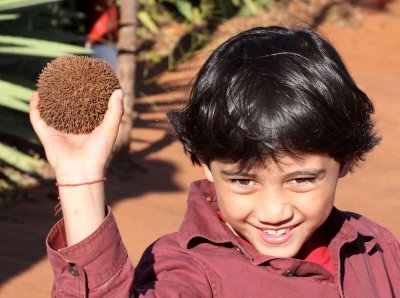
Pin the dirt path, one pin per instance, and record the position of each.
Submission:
(149, 201)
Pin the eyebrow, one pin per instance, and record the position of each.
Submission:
(240, 173)
(237, 172)
(309, 172)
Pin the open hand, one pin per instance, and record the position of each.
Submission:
(76, 158)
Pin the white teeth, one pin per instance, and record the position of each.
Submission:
(270, 232)
(277, 232)
(282, 231)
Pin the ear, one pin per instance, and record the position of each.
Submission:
(346, 168)
(207, 172)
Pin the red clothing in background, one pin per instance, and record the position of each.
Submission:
(102, 21)
(205, 259)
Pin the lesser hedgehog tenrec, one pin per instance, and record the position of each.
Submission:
(74, 93)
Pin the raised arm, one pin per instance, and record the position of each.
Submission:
(94, 260)
(79, 159)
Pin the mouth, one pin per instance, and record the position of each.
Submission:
(277, 232)
(277, 236)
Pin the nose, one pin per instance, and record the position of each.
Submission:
(274, 208)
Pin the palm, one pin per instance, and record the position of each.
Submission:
(69, 153)
(85, 151)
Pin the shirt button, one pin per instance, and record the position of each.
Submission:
(239, 250)
(209, 199)
(289, 273)
(73, 270)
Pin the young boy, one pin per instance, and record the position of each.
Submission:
(275, 119)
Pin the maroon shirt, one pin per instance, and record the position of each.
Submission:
(205, 259)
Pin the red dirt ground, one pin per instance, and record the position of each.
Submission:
(149, 200)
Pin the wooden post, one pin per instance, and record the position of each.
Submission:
(126, 66)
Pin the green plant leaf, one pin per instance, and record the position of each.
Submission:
(6, 5)
(185, 9)
(8, 17)
(208, 9)
(22, 93)
(13, 103)
(197, 17)
(14, 96)
(49, 34)
(251, 7)
(264, 3)
(236, 2)
(147, 21)
(21, 160)
(13, 45)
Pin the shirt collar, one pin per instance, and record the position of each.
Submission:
(346, 227)
(201, 219)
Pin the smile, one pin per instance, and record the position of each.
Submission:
(277, 232)
(274, 237)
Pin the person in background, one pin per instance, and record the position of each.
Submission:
(102, 21)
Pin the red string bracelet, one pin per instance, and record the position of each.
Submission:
(57, 208)
(80, 184)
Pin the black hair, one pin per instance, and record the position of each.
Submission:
(271, 91)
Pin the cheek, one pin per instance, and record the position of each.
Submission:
(319, 205)
(234, 209)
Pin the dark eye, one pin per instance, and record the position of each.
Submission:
(303, 180)
(243, 182)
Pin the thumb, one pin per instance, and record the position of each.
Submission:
(39, 126)
(114, 113)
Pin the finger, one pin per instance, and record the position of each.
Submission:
(114, 113)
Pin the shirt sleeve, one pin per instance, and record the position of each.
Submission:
(99, 266)
(394, 245)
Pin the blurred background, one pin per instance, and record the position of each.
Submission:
(156, 47)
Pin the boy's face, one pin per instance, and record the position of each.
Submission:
(279, 206)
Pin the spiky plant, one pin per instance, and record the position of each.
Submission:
(74, 93)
